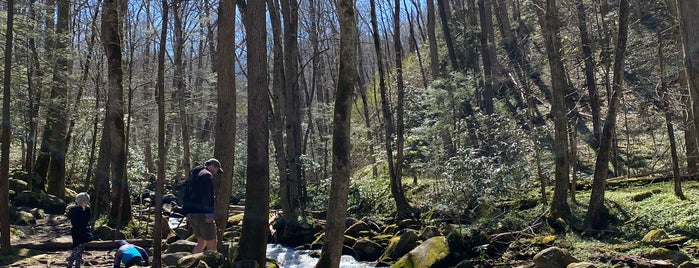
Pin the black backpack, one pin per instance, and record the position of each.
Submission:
(186, 194)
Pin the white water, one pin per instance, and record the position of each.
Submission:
(292, 258)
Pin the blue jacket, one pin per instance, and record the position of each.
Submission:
(127, 252)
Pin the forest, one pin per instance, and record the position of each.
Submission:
(484, 123)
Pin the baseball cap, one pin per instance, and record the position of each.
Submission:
(214, 161)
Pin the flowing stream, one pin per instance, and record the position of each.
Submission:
(292, 258)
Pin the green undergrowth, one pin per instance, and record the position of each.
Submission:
(634, 209)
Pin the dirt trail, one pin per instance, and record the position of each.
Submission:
(53, 229)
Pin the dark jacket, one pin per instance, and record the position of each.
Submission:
(203, 187)
(80, 225)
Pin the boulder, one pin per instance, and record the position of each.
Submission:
(431, 253)
(666, 254)
(400, 245)
(367, 250)
(553, 257)
(25, 218)
(429, 232)
(107, 233)
(181, 246)
(654, 236)
(581, 265)
(18, 185)
(208, 258)
(50, 203)
(170, 259)
(689, 264)
(355, 229)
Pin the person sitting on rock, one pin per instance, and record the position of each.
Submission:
(130, 255)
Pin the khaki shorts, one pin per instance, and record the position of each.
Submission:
(201, 228)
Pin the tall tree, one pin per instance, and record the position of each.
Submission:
(402, 205)
(51, 162)
(663, 102)
(290, 181)
(549, 21)
(432, 39)
(690, 131)
(488, 54)
(34, 78)
(160, 100)
(120, 210)
(589, 66)
(596, 217)
(226, 116)
(442, 5)
(339, 188)
(688, 11)
(253, 240)
(6, 132)
(178, 79)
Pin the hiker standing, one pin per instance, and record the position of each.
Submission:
(79, 215)
(200, 206)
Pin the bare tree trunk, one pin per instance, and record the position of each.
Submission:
(550, 28)
(253, 240)
(51, 162)
(277, 103)
(291, 205)
(402, 205)
(178, 81)
(664, 103)
(488, 54)
(596, 217)
(162, 149)
(589, 61)
(432, 39)
(226, 115)
(365, 108)
(6, 133)
(120, 212)
(337, 207)
(34, 85)
(688, 16)
(442, 5)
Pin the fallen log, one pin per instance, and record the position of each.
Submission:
(65, 244)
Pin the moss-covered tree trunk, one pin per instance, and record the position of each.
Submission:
(120, 210)
(341, 167)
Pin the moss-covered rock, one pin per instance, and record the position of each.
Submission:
(431, 253)
(367, 250)
(581, 265)
(654, 236)
(554, 257)
(234, 220)
(400, 245)
(208, 258)
(25, 218)
(544, 240)
(666, 254)
(357, 228)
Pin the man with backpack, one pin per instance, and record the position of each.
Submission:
(199, 204)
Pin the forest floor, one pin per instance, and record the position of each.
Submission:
(51, 238)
